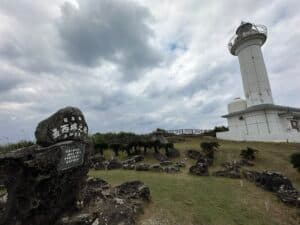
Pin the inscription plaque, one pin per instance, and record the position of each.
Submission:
(72, 155)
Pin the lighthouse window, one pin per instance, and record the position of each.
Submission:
(295, 124)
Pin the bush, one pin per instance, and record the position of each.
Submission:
(209, 148)
(168, 146)
(14, 146)
(295, 160)
(248, 154)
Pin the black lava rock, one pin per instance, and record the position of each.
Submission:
(114, 164)
(200, 169)
(193, 154)
(142, 167)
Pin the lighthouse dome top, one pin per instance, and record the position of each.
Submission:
(246, 32)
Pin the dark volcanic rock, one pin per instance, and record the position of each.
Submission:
(193, 154)
(114, 164)
(99, 166)
(156, 168)
(66, 124)
(134, 189)
(289, 196)
(172, 169)
(275, 182)
(95, 183)
(269, 180)
(129, 161)
(232, 169)
(128, 166)
(205, 160)
(200, 169)
(132, 161)
(138, 158)
(109, 206)
(166, 163)
(142, 167)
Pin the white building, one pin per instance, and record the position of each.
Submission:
(257, 118)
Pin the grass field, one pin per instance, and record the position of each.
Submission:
(183, 199)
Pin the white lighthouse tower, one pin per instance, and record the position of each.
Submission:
(257, 118)
(246, 44)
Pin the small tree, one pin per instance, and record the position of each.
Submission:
(100, 147)
(167, 147)
(248, 153)
(295, 160)
(156, 145)
(116, 148)
(99, 143)
(209, 148)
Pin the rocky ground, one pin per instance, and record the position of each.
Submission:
(106, 205)
(98, 162)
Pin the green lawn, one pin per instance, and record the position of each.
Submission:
(183, 199)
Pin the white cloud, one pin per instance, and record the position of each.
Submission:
(135, 65)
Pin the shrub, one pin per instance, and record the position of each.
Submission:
(116, 148)
(295, 160)
(209, 148)
(248, 153)
(167, 147)
(14, 146)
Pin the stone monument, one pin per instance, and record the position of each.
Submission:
(45, 179)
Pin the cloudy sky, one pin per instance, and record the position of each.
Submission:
(135, 65)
